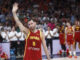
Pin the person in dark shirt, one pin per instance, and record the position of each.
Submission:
(1, 39)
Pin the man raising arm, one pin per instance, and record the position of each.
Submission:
(33, 39)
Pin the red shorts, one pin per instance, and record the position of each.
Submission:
(61, 37)
(77, 36)
(70, 39)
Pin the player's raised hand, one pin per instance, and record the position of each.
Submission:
(15, 7)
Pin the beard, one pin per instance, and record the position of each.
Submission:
(32, 28)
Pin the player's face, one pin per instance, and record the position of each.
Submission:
(32, 25)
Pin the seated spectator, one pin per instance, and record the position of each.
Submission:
(20, 43)
(5, 35)
(1, 39)
(51, 25)
(13, 39)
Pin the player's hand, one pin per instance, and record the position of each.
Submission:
(15, 7)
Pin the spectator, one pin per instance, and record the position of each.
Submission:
(5, 35)
(49, 35)
(1, 39)
(2, 18)
(13, 39)
(1, 26)
(20, 43)
(7, 26)
(55, 32)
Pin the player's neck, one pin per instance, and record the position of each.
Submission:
(69, 26)
(34, 30)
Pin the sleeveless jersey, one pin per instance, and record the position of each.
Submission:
(61, 30)
(69, 30)
(33, 46)
(70, 35)
(77, 33)
(61, 35)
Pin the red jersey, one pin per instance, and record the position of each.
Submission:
(61, 35)
(61, 30)
(69, 35)
(77, 33)
(33, 46)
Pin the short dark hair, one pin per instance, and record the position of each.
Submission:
(33, 19)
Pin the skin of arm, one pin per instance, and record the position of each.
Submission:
(73, 28)
(20, 25)
(44, 45)
(65, 32)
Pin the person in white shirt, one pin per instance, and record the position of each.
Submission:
(7, 26)
(21, 36)
(20, 43)
(12, 34)
(49, 36)
(55, 32)
(5, 35)
(1, 39)
(13, 39)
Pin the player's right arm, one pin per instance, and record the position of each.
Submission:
(44, 45)
(65, 31)
(20, 25)
(74, 30)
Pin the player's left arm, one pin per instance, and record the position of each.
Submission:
(44, 45)
(73, 28)
(65, 32)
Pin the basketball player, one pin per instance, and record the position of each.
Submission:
(33, 40)
(77, 32)
(69, 36)
(62, 39)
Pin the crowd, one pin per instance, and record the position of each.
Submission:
(47, 13)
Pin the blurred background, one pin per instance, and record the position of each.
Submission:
(50, 13)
